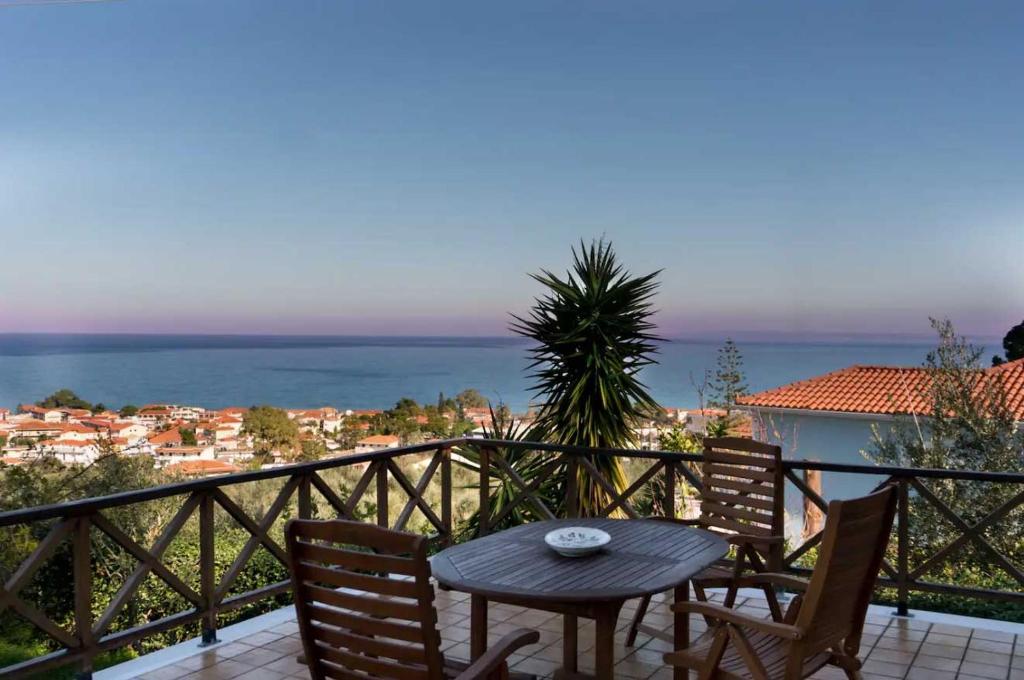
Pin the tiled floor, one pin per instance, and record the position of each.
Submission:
(892, 648)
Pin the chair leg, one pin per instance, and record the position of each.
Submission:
(638, 618)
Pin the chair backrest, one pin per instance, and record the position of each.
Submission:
(352, 616)
(743, 490)
(851, 553)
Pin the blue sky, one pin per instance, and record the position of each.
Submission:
(398, 167)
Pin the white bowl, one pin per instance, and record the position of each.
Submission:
(576, 541)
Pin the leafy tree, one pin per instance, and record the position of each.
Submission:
(188, 437)
(64, 398)
(310, 449)
(729, 381)
(592, 334)
(679, 440)
(98, 407)
(128, 410)
(406, 407)
(470, 398)
(271, 430)
(969, 426)
(1013, 345)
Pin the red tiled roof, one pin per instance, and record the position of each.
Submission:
(203, 467)
(171, 436)
(883, 390)
(40, 425)
(385, 439)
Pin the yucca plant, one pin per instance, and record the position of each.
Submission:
(592, 333)
(527, 463)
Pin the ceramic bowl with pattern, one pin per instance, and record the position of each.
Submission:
(577, 541)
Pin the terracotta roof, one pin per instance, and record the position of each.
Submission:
(377, 439)
(203, 467)
(882, 390)
(76, 443)
(40, 425)
(171, 436)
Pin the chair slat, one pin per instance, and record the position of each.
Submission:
(351, 559)
(742, 459)
(375, 606)
(407, 654)
(767, 490)
(742, 500)
(734, 526)
(347, 579)
(378, 667)
(712, 508)
(366, 624)
(739, 472)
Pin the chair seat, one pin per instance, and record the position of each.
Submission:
(773, 652)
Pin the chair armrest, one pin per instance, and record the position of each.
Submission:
(720, 613)
(768, 578)
(495, 656)
(746, 539)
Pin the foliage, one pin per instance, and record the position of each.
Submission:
(310, 449)
(64, 398)
(969, 426)
(471, 398)
(527, 463)
(188, 437)
(593, 333)
(679, 440)
(271, 430)
(128, 410)
(729, 381)
(1013, 345)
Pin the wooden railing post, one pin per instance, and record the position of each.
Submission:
(382, 496)
(572, 496)
(446, 494)
(484, 521)
(207, 567)
(305, 501)
(81, 556)
(669, 501)
(902, 549)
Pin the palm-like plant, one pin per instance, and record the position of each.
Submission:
(593, 334)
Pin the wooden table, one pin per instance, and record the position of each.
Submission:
(516, 567)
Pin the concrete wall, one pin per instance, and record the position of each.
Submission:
(825, 438)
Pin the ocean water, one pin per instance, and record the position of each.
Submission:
(362, 372)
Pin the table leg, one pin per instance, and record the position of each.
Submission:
(681, 628)
(569, 635)
(477, 626)
(604, 643)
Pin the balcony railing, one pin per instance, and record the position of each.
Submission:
(211, 591)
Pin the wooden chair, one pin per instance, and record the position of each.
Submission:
(742, 500)
(823, 624)
(358, 623)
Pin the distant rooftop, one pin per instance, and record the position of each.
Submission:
(879, 390)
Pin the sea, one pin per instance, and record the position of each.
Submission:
(215, 371)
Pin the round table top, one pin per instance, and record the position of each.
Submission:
(643, 557)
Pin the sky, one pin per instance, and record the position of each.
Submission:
(348, 167)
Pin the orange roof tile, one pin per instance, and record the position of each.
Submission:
(881, 390)
(171, 436)
(202, 467)
(40, 425)
(385, 439)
